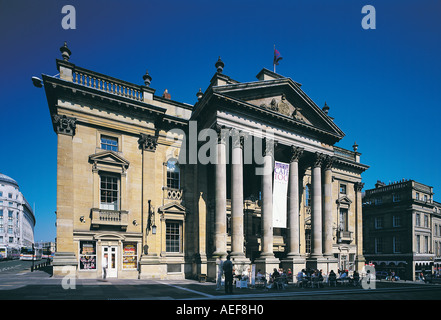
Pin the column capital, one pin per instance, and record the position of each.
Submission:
(270, 144)
(358, 186)
(222, 133)
(148, 142)
(64, 124)
(328, 161)
(318, 159)
(237, 138)
(296, 153)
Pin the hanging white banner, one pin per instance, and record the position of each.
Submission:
(280, 191)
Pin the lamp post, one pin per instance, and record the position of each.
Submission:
(33, 253)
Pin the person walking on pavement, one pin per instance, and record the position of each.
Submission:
(228, 271)
(105, 267)
(219, 275)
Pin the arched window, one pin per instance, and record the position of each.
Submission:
(173, 174)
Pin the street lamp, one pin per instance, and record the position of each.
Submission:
(33, 252)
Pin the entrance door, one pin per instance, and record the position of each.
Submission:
(110, 254)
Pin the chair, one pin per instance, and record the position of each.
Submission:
(332, 281)
(278, 283)
(315, 282)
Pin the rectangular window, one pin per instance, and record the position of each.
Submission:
(417, 196)
(10, 195)
(396, 197)
(378, 245)
(378, 201)
(343, 189)
(308, 195)
(397, 245)
(109, 192)
(426, 221)
(378, 222)
(343, 220)
(418, 243)
(418, 220)
(396, 221)
(426, 244)
(425, 197)
(173, 237)
(87, 255)
(109, 143)
(130, 259)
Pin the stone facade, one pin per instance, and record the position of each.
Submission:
(402, 228)
(166, 189)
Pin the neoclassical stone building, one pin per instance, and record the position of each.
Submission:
(165, 189)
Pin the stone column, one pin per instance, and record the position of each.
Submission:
(359, 260)
(237, 232)
(293, 198)
(149, 261)
(316, 213)
(65, 259)
(220, 231)
(267, 261)
(327, 208)
(294, 260)
(267, 200)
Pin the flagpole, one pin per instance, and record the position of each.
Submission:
(274, 62)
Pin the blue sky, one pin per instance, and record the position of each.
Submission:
(381, 85)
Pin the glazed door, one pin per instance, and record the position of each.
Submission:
(110, 254)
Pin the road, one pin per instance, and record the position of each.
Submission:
(17, 282)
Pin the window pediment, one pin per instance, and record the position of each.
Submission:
(109, 159)
(173, 208)
(344, 200)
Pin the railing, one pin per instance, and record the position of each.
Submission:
(109, 218)
(105, 83)
(172, 194)
(344, 153)
(344, 236)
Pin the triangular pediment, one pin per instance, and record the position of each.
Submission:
(109, 158)
(282, 98)
(344, 200)
(172, 207)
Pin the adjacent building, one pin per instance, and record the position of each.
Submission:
(402, 228)
(17, 220)
(164, 189)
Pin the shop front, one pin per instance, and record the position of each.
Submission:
(108, 256)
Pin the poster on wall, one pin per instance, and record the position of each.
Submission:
(129, 256)
(280, 192)
(87, 255)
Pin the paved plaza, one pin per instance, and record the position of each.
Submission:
(41, 285)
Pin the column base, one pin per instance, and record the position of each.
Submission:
(64, 263)
(296, 263)
(267, 263)
(326, 264)
(150, 267)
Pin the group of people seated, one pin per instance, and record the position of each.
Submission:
(277, 279)
(311, 278)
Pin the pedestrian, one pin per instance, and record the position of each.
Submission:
(220, 272)
(228, 271)
(105, 267)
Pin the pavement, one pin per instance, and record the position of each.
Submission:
(41, 285)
